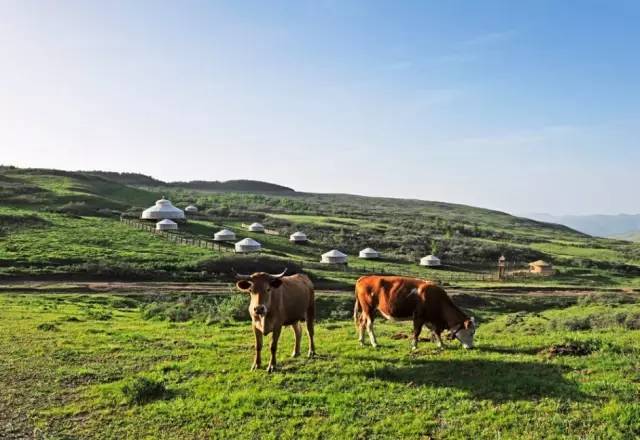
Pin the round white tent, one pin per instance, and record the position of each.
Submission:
(298, 237)
(224, 235)
(334, 257)
(191, 209)
(166, 225)
(430, 260)
(247, 245)
(369, 253)
(256, 227)
(163, 209)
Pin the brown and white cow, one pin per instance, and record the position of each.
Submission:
(277, 301)
(400, 298)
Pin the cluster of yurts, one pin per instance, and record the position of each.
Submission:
(167, 215)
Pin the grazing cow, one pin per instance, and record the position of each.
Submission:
(410, 298)
(276, 301)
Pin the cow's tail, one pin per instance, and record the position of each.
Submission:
(357, 308)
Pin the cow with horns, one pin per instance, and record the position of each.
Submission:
(276, 301)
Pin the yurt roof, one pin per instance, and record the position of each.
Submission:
(334, 253)
(164, 207)
(248, 242)
(256, 225)
(166, 221)
(191, 207)
(431, 258)
(539, 263)
(368, 251)
(299, 234)
(225, 232)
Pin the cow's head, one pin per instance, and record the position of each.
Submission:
(259, 285)
(465, 332)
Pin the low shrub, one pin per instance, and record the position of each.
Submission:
(571, 323)
(632, 321)
(234, 307)
(573, 348)
(626, 319)
(99, 315)
(143, 389)
(607, 298)
(47, 327)
(206, 308)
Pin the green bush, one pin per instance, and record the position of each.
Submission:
(143, 389)
(206, 308)
(574, 348)
(233, 307)
(47, 327)
(608, 298)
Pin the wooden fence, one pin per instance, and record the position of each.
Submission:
(177, 237)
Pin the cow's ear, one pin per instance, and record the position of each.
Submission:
(468, 323)
(276, 283)
(244, 285)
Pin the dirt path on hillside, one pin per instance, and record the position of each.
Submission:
(150, 287)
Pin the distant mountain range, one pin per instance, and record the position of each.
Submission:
(621, 226)
(205, 185)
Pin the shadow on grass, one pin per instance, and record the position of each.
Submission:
(499, 381)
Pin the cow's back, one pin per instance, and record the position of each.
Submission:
(395, 297)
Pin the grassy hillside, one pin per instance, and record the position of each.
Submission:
(56, 222)
(103, 367)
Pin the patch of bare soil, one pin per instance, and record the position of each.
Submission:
(402, 335)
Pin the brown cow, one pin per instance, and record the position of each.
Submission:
(410, 298)
(276, 301)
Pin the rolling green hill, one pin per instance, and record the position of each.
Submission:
(60, 223)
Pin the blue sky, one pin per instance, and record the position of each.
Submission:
(519, 106)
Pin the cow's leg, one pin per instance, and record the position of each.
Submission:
(372, 336)
(274, 348)
(417, 328)
(437, 337)
(310, 330)
(258, 346)
(361, 325)
(297, 331)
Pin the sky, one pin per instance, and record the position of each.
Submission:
(528, 106)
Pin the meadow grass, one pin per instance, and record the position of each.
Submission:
(90, 366)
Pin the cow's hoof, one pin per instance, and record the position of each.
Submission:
(361, 344)
(271, 368)
(311, 354)
(255, 367)
(376, 346)
(295, 354)
(414, 348)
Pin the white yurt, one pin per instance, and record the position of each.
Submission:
(369, 253)
(224, 235)
(430, 260)
(166, 225)
(247, 245)
(191, 209)
(163, 209)
(256, 227)
(334, 257)
(298, 237)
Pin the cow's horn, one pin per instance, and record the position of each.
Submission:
(240, 276)
(280, 275)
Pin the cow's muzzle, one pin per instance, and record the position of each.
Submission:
(260, 310)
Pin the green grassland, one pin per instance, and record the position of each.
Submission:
(95, 366)
(54, 223)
